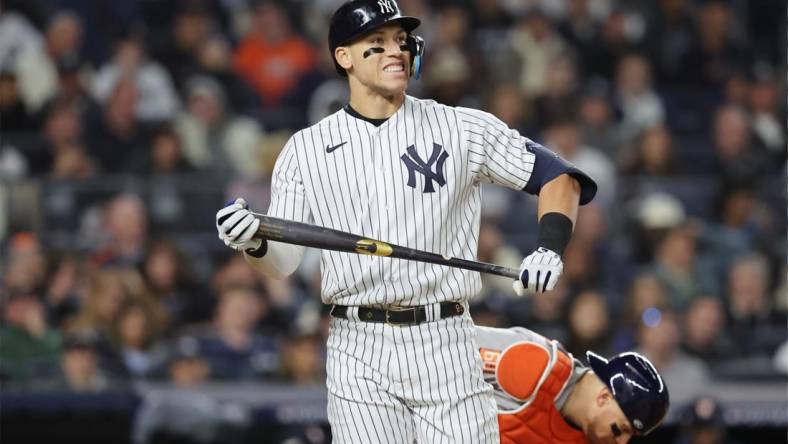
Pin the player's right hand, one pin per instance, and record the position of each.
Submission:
(237, 225)
(539, 272)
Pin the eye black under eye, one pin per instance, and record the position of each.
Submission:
(615, 429)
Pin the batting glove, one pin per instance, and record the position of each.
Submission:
(539, 272)
(237, 225)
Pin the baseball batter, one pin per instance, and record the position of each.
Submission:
(545, 396)
(402, 363)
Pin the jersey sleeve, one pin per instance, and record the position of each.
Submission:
(288, 195)
(497, 153)
(501, 155)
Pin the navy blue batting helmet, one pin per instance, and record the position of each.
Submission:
(637, 387)
(357, 17)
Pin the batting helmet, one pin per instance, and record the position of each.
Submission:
(357, 17)
(637, 387)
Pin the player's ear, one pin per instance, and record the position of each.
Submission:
(342, 56)
(603, 397)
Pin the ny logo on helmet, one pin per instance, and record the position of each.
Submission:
(415, 164)
(385, 6)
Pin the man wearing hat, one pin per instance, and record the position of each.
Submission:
(546, 396)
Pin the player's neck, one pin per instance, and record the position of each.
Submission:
(576, 408)
(374, 105)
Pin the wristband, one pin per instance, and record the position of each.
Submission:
(555, 230)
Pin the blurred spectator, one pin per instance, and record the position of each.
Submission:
(124, 231)
(177, 47)
(79, 366)
(737, 159)
(563, 137)
(670, 37)
(185, 414)
(645, 302)
(653, 215)
(704, 332)
(24, 270)
(507, 102)
(62, 133)
(36, 69)
(596, 117)
(64, 282)
(767, 126)
(233, 272)
(215, 139)
(581, 24)
(214, 59)
(680, 268)
(703, 422)
(165, 155)
(494, 249)
(589, 324)
(272, 57)
(545, 315)
(232, 346)
(659, 340)
(559, 99)
(116, 136)
(448, 75)
(737, 89)
(27, 341)
(537, 43)
(490, 23)
(138, 329)
(72, 163)
(172, 282)
(156, 96)
(107, 292)
(186, 366)
(303, 360)
(652, 154)
(619, 32)
(640, 107)
(752, 324)
(742, 223)
(13, 114)
(17, 36)
(715, 53)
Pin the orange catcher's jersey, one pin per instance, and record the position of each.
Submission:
(532, 377)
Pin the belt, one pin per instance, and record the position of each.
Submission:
(399, 315)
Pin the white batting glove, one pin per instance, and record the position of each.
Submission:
(539, 272)
(237, 225)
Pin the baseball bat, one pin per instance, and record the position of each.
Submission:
(290, 232)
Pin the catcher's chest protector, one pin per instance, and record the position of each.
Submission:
(522, 369)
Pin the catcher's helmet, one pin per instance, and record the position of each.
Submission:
(637, 387)
(357, 17)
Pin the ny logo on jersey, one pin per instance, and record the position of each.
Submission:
(414, 163)
(385, 6)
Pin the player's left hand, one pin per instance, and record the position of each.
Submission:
(539, 272)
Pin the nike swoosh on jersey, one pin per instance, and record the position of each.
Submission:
(331, 149)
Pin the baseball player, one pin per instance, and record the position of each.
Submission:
(402, 362)
(545, 396)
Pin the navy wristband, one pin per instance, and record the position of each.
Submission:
(555, 230)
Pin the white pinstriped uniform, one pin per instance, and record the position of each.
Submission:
(389, 383)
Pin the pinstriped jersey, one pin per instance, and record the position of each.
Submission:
(413, 181)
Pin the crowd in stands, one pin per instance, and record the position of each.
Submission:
(110, 115)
